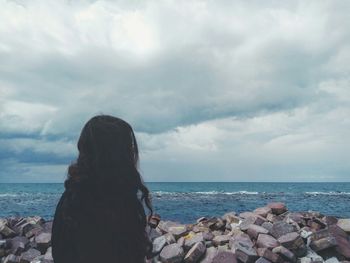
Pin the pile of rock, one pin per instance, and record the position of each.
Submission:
(25, 240)
(268, 234)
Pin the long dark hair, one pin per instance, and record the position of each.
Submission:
(107, 169)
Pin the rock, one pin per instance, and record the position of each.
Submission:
(48, 254)
(253, 231)
(43, 241)
(221, 240)
(17, 244)
(34, 231)
(181, 241)
(154, 221)
(209, 255)
(285, 254)
(169, 238)
(310, 257)
(178, 231)
(245, 215)
(263, 211)
(343, 246)
(344, 224)
(193, 238)
(201, 219)
(231, 218)
(247, 222)
(330, 220)
(12, 259)
(153, 233)
(195, 253)
(262, 260)
(29, 255)
(293, 242)
(323, 243)
(281, 228)
(224, 257)
(5, 230)
(158, 244)
(208, 236)
(269, 255)
(267, 241)
(332, 260)
(273, 218)
(172, 253)
(267, 225)
(277, 208)
(240, 239)
(245, 253)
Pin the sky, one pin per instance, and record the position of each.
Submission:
(215, 90)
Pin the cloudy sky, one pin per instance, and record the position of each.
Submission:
(215, 90)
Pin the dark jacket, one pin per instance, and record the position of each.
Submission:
(93, 234)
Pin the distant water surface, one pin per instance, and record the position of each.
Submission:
(185, 202)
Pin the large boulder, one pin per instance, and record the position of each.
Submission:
(277, 208)
(195, 253)
(267, 241)
(172, 253)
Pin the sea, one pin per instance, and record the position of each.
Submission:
(186, 202)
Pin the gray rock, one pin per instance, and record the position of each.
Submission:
(209, 255)
(224, 257)
(43, 241)
(30, 255)
(195, 253)
(193, 238)
(262, 260)
(5, 230)
(294, 242)
(12, 259)
(245, 253)
(172, 253)
(158, 244)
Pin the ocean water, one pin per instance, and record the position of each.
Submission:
(185, 202)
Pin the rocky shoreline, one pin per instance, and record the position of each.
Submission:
(267, 234)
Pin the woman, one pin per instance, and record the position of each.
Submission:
(100, 216)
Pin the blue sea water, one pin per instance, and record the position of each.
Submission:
(185, 202)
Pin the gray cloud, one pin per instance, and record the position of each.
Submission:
(173, 69)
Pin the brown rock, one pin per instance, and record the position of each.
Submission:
(323, 243)
(221, 240)
(267, 241)
(195, 253)
(240, 239)
(294, 242)
(277, 208)
(263, 211)
(269, 255)
(281, 228)
(231, 217)
(344, 224)
(285, 254)
(254, 230)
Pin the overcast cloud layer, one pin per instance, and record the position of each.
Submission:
(215, 90)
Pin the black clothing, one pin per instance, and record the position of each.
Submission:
(88, 231)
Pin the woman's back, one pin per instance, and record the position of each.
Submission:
(100, 217)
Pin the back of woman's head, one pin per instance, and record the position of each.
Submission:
(106, 170)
